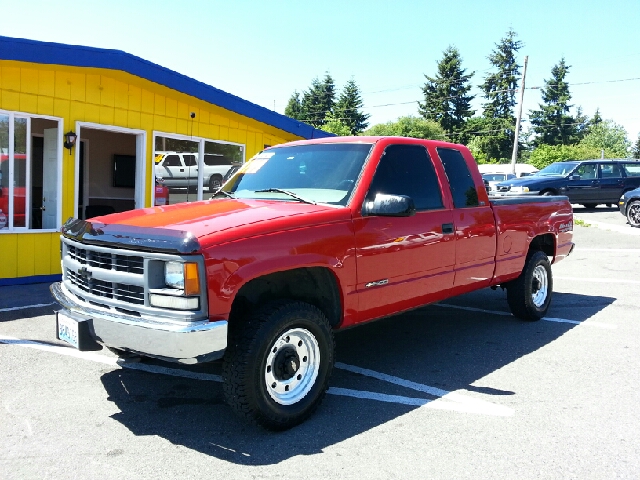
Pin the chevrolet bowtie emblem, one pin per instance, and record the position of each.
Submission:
(84, 272)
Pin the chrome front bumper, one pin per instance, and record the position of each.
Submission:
(192, 342)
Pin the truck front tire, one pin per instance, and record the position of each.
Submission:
(529, 295)
(277, 364)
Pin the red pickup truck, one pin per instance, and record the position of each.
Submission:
(307, 238)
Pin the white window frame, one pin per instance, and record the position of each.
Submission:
(201, 141)
(141, 159)
(27, 207)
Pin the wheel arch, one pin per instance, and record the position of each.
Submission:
(315, 285)
(545, 243)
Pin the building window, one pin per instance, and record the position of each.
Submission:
(29, 172)
(180, 163)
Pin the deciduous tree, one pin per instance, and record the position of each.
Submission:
(409, 126)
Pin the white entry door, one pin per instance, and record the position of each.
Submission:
(50, 179)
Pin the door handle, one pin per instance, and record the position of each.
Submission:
(447, 228)
(182, 169)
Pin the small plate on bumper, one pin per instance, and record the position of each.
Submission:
(76, 330)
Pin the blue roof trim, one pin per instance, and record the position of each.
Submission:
(25, 50)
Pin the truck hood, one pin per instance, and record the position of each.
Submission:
(182, 227)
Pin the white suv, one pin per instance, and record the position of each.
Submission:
(181, 169)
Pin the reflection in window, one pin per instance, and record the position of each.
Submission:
(407, 170)
(4, 171)
(177, 166)
(463, 188)
(176, 170)
(29, 176)
(219, 158)
(19, 172)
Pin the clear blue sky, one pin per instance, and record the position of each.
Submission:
(263, 50)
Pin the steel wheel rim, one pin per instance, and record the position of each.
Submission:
(296, 343)
(540, 286)
(634, 214)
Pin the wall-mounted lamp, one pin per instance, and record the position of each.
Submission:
(70, 140)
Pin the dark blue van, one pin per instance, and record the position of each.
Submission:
(587, 182)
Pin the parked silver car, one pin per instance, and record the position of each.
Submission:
(180, 169)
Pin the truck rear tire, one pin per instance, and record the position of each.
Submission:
(277, 364)
(529, 295)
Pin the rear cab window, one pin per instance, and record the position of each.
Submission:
(463, 188)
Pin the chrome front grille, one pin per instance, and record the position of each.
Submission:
(106, 277)
(503, 189)
(122, 280)
(120, 291)
(106, 260)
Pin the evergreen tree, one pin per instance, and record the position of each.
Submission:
(582, 123)
(446, 98)
(596, 118)
(348, 109)
(500, 89)
(635, 152)
(552, 122)
(318, 101)
(294, 107)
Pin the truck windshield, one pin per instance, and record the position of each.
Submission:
(318, 173)
(557, 169)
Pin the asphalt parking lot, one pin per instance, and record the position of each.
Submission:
(456, 390)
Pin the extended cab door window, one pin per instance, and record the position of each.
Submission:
(407, 170)
(463, 188)
(474, 223)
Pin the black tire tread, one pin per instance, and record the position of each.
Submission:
(244, 341)
(517, 289)
(632, 203)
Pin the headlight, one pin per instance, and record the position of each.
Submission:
(519, 189)
(183, 276)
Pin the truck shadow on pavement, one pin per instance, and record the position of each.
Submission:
(443, 349)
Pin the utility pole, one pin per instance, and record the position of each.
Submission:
(514, 155)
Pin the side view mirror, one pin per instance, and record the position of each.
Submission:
(389, 206)
(574, 177)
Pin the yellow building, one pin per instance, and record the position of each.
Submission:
(85, 131)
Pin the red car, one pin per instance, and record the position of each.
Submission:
(162, 192)
(19, 193)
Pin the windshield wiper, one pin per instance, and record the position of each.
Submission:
(228, 194)
(286, 192)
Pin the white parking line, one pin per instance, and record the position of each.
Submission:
(11, 309)
(548, 319)
(599, 280)
(445, 400)
(462, 402)
(623, 250)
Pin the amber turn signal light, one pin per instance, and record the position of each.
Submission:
(191, 279)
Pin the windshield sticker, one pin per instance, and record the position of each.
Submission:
(254, 165)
